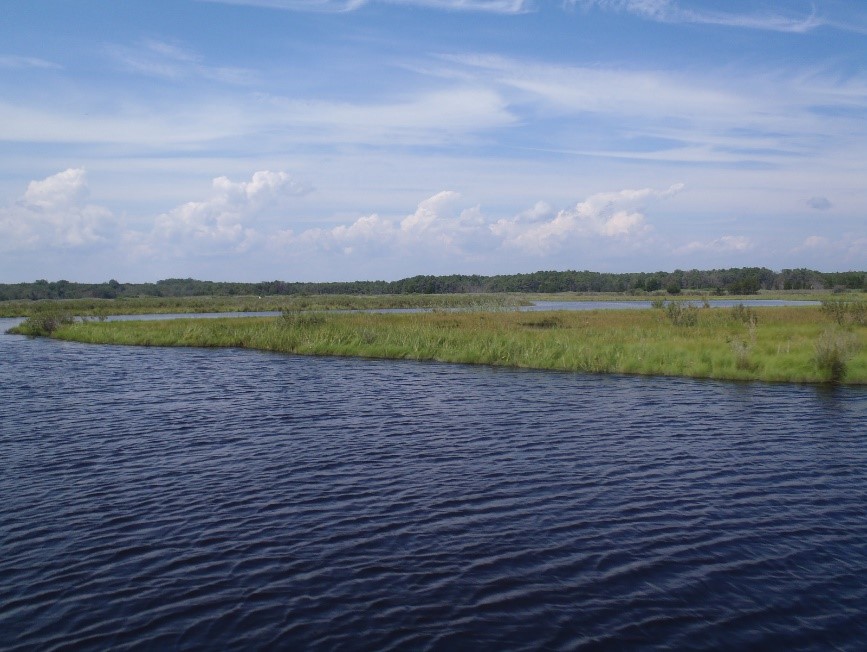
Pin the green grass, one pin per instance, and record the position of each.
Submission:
(778, 344)
(164, 305)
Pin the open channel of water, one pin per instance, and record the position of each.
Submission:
(186, 499)
(537, 306)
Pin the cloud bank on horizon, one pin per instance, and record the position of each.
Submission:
(358, 139)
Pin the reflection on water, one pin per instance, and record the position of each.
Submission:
(189, 498)
(537, 306)
(625, 305)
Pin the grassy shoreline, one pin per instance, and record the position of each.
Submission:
(765, 344)
(201, 304)
(213, 304)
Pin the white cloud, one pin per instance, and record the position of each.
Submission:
(262, 122)
(56, 192)
(138, 126)
(603, 215)
(725, 244)
(493, 6)
(427, 118)
(429, 213)
(723, 117)
(243, 217)
(16, 62)
(225, 222)
(173, 61)
(496, 6)
(540, 212)
(814, 242)
(53, 212)
(442, 227)
(438, 226)
(850, 249)
(669, 11)
(559, 88)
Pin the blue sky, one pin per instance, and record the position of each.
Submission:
(379, 139)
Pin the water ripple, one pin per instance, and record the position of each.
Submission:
(182, 499)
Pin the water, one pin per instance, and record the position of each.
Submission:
(536, 306)
(187, 499)
(624, 305)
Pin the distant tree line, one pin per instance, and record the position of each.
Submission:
(745, 280)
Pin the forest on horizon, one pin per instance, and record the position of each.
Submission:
(745, 280)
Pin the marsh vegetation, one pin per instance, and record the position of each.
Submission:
(795, 344)
(209, 304)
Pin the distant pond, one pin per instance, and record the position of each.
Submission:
(623, 305)
(537, 306)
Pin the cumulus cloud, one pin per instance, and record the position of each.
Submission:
(606, 215)
(819, 203)
(439, 226)
(443, 225)
(848, 249)
(54, 212)
(815, 242)
(224, 221)
(236, 217)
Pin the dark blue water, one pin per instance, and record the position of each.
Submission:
(226, 499)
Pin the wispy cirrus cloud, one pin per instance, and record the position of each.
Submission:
(671, 11)
(421, 118)
(173, 61)
(17, 62)
(766, 117)
(449, 115)
(335, 6)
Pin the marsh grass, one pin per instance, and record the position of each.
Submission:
(44, 323)
(682, 314)
(165, 305)
(846, 311)
(490, 301)
(782, 348)
(834, 350)
(302, 318)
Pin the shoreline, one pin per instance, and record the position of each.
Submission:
(276, 303)
(754, 344)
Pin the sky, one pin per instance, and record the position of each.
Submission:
(327, 140)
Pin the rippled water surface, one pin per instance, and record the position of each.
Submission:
(186, 498)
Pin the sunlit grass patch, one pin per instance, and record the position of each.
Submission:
(775, 344)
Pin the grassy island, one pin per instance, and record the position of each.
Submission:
(201, 304)
(791, 344)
